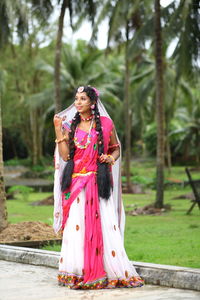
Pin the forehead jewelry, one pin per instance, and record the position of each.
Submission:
(80, 89)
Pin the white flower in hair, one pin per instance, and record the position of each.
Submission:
(80, 89)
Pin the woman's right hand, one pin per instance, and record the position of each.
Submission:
(57, 122)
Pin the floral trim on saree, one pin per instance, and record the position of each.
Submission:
(74, 281)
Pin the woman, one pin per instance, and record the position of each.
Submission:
(87, 198)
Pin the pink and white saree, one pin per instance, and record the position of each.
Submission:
(92, 254)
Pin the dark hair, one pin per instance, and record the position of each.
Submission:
(103, 172)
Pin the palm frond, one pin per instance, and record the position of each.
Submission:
(102, 16)
(43, 98)
(187, 51)
(138, 77)
(43, 66)
(42, 9)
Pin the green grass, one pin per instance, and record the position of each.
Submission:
(172, 238)
(148, 170)
(20, 211)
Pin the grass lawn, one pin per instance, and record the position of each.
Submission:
(20, 211)
(173, 238)
(148, 171)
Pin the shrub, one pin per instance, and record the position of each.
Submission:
(23, 190)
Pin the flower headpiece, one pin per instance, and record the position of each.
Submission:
(81, 89)
(96, 91)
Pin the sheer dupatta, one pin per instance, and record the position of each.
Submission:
(59, 164)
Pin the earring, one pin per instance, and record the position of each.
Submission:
(92, 108)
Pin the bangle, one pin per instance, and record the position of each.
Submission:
(113, 159)
(61, 140)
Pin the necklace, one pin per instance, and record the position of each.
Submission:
(86, 119)
(88, 141)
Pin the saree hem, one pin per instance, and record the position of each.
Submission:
(74, 281)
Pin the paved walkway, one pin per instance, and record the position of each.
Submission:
(27, 282)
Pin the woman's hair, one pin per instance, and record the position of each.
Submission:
(103, 173)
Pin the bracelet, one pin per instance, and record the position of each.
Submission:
(113, 159)
(61, 140)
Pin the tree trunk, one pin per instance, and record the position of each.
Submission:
(127, 116)
(168, 153)
(16, 71)
(58, 57)
(168, 159)
(39, 135)
(3, 210)
(33, 122)
(159, 108)
(197, 146)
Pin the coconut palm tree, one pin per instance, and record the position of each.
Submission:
(58, 54)
(182, 24)
(82, 9)
(13, 17)
(9, 11)
(3, 211)
(159, 107)
(78, 63)
(158, 84)
(181, 21)
(125, 18)
(188, 124)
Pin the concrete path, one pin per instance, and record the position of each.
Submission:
(156, 274)
(28, 282)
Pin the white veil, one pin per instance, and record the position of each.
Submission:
(68, 115)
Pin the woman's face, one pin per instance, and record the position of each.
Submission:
(82, 102)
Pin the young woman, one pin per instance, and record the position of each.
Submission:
(88, 207)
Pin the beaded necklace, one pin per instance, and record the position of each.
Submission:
(88, 141)
(87, 119)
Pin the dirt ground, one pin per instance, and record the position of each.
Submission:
(28, 231)
(38, 231)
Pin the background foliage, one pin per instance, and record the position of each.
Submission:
(28, 68)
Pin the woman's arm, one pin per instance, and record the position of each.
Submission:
(114, 150)
(62, 138)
